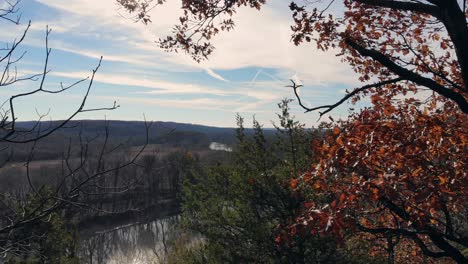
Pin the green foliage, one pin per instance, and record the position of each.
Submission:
(239, 208)
(44, 240)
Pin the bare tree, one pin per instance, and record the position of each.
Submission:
(81, 176)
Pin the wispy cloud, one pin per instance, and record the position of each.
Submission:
(215, 75)
(162, 87)
(91, 29)
(262, 45)
(201, 103)
(265, 91)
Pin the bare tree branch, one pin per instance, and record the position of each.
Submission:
(329, 108)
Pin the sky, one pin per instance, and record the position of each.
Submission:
(247, 73)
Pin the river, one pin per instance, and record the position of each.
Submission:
(141, 243)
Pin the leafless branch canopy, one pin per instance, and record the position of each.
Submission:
(9, 131)
(80, 176)
(9, 11)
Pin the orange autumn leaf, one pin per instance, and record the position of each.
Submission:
(336, 130)
(294, 183)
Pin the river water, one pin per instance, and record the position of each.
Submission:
(138, 243)
(142, 243)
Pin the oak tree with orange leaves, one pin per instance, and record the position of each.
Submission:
(397, 169)
(397, 172)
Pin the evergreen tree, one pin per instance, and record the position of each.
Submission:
(239, 208)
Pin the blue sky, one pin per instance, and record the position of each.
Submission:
(247, 73)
